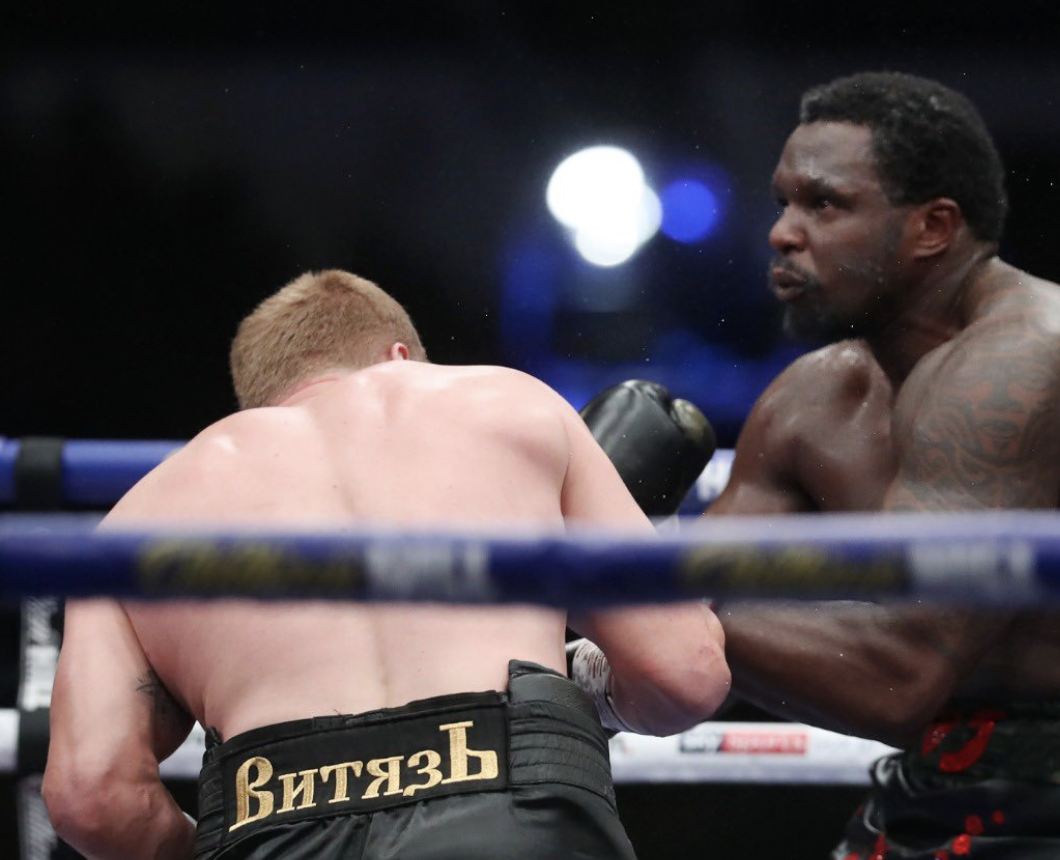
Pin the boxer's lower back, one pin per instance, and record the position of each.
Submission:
(240, 665)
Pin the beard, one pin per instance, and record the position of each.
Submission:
(813, 319)
(815, 325)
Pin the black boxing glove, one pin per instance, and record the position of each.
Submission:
(660, 445)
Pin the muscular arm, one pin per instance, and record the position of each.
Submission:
(838, 665)
(981, 434)
(876, 671)
(845, 666)
(112, 722)
(667, 662)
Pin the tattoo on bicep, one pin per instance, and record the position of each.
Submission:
(162, 704)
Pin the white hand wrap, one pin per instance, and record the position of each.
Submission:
(590, 670)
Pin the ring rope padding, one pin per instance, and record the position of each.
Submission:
(37, 474)
(45, 473)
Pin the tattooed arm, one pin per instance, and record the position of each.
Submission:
(170, 723)
(112, 722)
(977, 426)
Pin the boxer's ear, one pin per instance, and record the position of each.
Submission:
(935, 224)
(398, 352)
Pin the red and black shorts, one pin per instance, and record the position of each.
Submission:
(981, 784)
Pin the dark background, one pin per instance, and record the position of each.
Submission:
(165, 168)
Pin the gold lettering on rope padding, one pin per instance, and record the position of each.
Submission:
(246, 789)
(459, 754)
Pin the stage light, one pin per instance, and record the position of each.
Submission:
(601, 195)
(613, 239)
(690, 210)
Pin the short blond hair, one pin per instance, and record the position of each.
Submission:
(318, 321)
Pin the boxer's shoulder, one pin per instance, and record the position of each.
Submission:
(1003, 294)
(836, 367)
(1016, 336)
(472, 380)
(823, 387)
(240, 432)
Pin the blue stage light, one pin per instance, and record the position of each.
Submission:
(691, 210)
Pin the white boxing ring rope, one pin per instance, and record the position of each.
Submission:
(1011, 559)
(787, 753)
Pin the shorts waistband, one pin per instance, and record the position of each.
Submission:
(543, 729)
(1011, 741)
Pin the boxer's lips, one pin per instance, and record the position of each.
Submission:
(787, 286)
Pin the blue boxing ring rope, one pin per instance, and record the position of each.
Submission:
(989, 558)
(87, 473)
(995, 558)
(96, 473)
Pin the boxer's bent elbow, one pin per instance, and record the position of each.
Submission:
(700, 688)
(704, 680)
(670, 697)
(60, 793)
(77, 813)
(91, 808)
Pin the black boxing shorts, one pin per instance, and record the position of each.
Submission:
(984, 783)
(521, 774)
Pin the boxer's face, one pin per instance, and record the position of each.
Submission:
(837, 239)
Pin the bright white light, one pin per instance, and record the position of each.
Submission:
(604, 249)
(613, 239)
(649, 215)
(592, 183)
(601, 195)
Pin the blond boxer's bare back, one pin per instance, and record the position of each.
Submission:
(399, 443)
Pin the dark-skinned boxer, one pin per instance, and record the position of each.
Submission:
(937, 390)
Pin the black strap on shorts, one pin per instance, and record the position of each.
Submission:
(543, 730)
